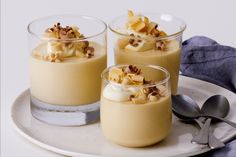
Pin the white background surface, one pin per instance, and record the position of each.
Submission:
(212, 18)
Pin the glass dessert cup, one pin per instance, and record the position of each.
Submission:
(136, 47)
(67, 56)
(137, 114)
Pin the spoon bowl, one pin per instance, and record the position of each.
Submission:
(184, 107)
(188, 109)
(216, 105)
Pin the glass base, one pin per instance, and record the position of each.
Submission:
(65, 115)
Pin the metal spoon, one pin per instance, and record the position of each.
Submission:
(183, 99)
(216, 105)
(188, 111)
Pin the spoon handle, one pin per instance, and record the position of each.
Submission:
(221, 119)
(202, 136)
(213, 142)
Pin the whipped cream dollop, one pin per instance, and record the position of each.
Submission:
(118, 93)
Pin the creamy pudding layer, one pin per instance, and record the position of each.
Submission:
(169, 59)
(135, 125)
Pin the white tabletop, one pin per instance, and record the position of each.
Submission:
(215, 19)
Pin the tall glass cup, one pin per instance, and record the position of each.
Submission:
(146, 52)
(67, 56)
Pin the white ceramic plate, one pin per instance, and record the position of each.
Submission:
(89, 141)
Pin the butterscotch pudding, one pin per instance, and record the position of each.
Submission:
(140, 39)
(135, 110)
(65, 69)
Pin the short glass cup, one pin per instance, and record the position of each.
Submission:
(169, 58)
(136, 125)
(66, 92)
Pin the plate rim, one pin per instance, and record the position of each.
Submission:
(70, 153)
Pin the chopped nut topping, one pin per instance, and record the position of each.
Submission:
(116, 75)
(138, 78)
(65, 46)
(132, 69)
(131, 75)
(141, 24)
(89, 52)
(131, 97)
(152, 98)
(59, 32)
(138, 100)
(126, 81)
(133, 41)
(160, 45)
(53, 57)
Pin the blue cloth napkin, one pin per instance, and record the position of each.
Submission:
(205, 59)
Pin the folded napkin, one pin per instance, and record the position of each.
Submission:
(205, 59)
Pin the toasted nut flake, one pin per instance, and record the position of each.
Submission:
(53, 57)
(135, 45)
(134, 20)
(155, 33)
(138, 78)
(130, 75)
(89, 49)
(160, 45)
(75, 30)
(152, 98)
(162, 34)
(154, 93)
(132, 70)
(116, 75)
(130, 14)
(89, 55)
(145, 91)
(138, 100)
(126, 81)
(143, 25)
(151, 26)
(139, 40)
(146, 20)
(134, 42)
(83, 44)
(131, 97)
(131, 41)
(139, 26)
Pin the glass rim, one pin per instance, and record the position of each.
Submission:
(173, 35)
(156, 67)
(39, 36)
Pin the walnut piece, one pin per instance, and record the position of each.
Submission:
(160, 45)
(54, 57)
